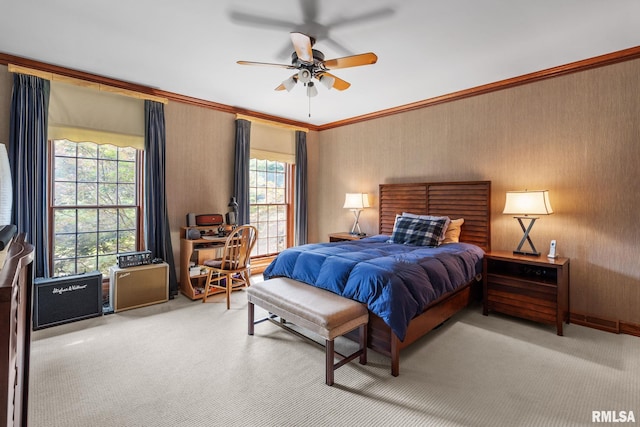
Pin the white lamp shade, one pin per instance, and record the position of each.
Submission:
(289, 84)
(327, 81)
(311, 90)
(527, 203)
(356, 201)
(6, 187)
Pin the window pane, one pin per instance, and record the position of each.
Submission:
(87, 244)
(106, 151)
(126, 172)
(107, 171)
(126, 194)
(108, 242)
(87, 170)
(127, 154)
(87, 220)
(127, 241)
(87, 194)
(127, 218)
(108, 219)
(64, 267)
(65, 169)
(106, 261)
(65, 245)
(64, 193)
(87, 264)
(108, 195)
(64, 221)
(64, 148)
(88, 149)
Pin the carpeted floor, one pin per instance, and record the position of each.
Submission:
(184, 363)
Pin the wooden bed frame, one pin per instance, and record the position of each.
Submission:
(469, 200)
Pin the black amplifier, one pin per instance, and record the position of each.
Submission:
(134, 259)
(65, 299)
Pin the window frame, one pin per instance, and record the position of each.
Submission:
(289, 202)
(51, 208)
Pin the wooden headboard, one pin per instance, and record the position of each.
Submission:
(469, 200)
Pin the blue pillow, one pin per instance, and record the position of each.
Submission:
(417, 231)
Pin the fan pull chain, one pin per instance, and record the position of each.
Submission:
(309, 105)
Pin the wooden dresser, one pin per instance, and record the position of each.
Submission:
(16, 282)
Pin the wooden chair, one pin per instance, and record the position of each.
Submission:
(231, 271)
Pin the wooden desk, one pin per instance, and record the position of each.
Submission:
(196, 250)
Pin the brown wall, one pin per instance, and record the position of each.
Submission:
(577, 136)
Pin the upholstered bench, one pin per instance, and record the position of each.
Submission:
(322, 312)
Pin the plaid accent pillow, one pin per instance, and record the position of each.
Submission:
(417, 231)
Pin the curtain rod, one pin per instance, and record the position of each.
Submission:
(271, 123)
(84, 83)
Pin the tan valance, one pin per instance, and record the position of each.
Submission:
(82, 114)
(273, 143)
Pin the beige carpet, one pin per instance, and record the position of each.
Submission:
(184, 363)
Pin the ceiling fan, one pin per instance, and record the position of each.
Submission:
(311, 65)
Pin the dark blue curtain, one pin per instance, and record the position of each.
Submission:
(301, 195)
(157, 231)
(28, 159)
(241, 175)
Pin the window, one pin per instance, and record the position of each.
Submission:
(270, 204)
(94, 205)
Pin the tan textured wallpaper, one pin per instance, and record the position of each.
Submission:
(200, 153)
(577, 136)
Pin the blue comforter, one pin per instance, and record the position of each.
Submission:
(395, 281)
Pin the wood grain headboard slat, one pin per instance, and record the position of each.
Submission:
(469, 200)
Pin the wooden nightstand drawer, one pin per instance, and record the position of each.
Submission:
(519, 286)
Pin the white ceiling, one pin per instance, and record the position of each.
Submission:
(425, 48)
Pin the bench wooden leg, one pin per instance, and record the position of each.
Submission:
(363, 344)
(329, 357)
(250, 310)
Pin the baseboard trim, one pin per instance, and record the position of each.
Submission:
(607, 325)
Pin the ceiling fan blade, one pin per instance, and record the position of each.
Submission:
(338, 83)
(267, 64)
(351, 61)
(256, 20)
(367, 16)
(302, 44)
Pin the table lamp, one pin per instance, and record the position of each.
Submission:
(525, 203)
(356, 202)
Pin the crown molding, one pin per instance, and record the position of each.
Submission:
(573, 67)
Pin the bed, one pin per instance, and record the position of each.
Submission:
(412, 312)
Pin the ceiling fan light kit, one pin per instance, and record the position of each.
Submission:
(311, 64)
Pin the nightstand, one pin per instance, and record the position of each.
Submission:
(341, 237)
(534, 288)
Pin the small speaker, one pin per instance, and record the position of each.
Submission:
(191, 220)
(66, 299)
(135, 287)
(193, 234)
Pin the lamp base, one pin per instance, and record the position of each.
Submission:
(526, 253)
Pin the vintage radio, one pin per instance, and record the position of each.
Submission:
(209, 219)
(134, 259)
